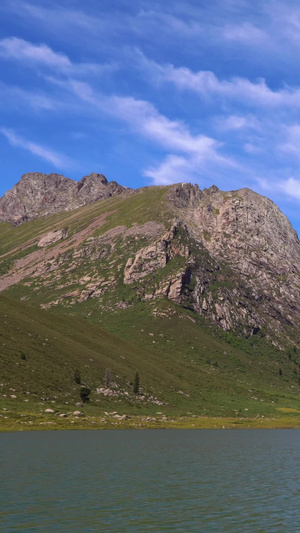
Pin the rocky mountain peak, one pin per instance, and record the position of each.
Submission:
(95, 186)
(38, 194)
(92, 180)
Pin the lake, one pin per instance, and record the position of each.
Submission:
(150, 481)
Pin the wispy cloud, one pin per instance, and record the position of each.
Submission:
(246, 33)
(237, 122)
(290, 186)
(19, 50)
(200, 152)
(36, 149)
(16, 97)
(14, 48)
(185, 168)
(150, 18)
(55, 15)
(143, 117)
(207, 84)
(170, 134)
(190, 151)
(173, 169)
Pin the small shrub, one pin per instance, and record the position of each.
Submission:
(23, 356)
(85, 392)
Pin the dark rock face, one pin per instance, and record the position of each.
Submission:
(39, 194)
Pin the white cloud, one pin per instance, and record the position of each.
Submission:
(291, 187)
(171, 134)
(45, 153)
(207, 84)
(15, 48)
(42, 55)
(173, 170)
(182, 168)
(176, 168)
(194, 151)
(144, 118)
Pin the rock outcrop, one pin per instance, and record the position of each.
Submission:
(247, 233)
(51, 238)
(39, 194)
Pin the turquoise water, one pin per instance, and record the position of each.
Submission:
(150, 481)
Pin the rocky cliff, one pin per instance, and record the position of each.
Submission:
(231, 257)
(248, 233)
(39, 194)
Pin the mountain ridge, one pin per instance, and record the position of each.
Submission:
(38, 194)
(232, 257)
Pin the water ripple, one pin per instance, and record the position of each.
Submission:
(150, 481)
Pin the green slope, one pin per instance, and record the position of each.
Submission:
(184, 368)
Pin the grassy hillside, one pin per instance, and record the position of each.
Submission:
(184, 368)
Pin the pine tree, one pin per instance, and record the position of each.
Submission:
(136, 383)
(85, 392)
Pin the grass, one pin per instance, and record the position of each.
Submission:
(198, 379)
(32, 419)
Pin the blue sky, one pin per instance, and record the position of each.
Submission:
(154, 93)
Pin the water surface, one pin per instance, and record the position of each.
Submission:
(150, 481)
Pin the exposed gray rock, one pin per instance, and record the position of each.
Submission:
(38, 194)
(95, 187)
(51, 238)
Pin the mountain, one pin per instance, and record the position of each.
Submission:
(39, 194)
(232, 257)
(193, 279)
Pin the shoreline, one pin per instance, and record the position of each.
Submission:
(139, 422)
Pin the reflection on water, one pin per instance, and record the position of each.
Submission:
(150, 481)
